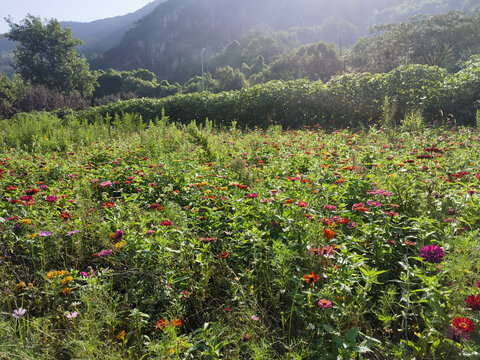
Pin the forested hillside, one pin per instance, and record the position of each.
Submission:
(169, 40)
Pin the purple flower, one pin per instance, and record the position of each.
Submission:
(118, 234)
(255, 318)
(71, 315)
(70, 233)
(19, 313)
(104, 253)
(456, 334)
(432, 254)
(44, 233)
(352, 225)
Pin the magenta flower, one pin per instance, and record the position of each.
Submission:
(104, 253)
(167, 223)
(51, 199)
(330, 207)
(432, 254)
(118, 234)
(252, 195)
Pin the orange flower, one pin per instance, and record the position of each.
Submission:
(66, 291)
(329, 233)
(311, 278)
(121, 335)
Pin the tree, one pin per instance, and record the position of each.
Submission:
(46, 55)
(443, 40)
(230, 78)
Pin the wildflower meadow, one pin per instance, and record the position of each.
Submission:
(126, 240)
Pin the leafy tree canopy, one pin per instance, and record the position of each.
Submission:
(443, 40)
(46, 55)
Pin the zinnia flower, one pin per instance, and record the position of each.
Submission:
(463, 324)
(329, 233)
(324, 303)
(473, 302)
(311, 278)
(432, 254)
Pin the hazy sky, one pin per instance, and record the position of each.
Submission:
(65, 10)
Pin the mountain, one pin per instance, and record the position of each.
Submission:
(100, 35)
(169, 40)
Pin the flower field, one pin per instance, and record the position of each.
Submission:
(130, 241)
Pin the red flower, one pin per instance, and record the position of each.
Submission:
(473, 302)
(311, 278)
(166, 223)
(463, 324)
(176, 323)
(160, 324)
(223, 255)
(360, 208)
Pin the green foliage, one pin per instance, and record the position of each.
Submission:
(230, 79)
(319, 61)
(351, 100)
(46, 55)
(439, 40)
(123, 242)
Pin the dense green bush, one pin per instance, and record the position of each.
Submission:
(352, 100)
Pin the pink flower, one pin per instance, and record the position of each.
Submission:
(302, 204)
(324, 303)
(106, 184)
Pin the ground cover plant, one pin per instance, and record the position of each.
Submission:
(120, 239)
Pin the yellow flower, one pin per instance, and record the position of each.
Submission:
(67, 279)
(20, 286)
(62, 273)
(33, 236)
(111, 236)
(121, 335)
(25, 222)
(172, 351)
(120, 245)
(51, 274)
